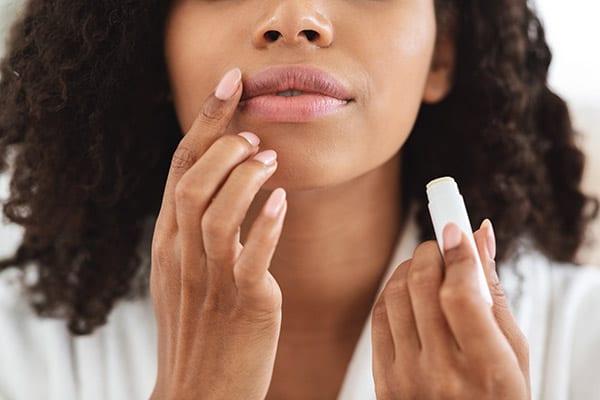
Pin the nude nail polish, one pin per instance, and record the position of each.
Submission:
(275, 202)
(266, 157)
(490, 238)
(250, 137)
(229, 84)
(452, 236)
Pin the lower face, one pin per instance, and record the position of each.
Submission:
(381, 50)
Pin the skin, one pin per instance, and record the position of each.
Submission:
(266, 309)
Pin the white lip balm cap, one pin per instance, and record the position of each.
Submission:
(447, 205)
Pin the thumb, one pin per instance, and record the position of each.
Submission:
(486, 245)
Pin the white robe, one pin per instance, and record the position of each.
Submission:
(556, 305)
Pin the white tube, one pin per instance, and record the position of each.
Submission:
(447, 205)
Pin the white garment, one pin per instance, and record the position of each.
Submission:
(556, 306)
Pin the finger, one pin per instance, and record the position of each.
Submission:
(201, 182)
(221, 221)
(486, 245)
(470, 318)
(211, 122)
(255, 259)
(425, 278)
(400, 313)
(382, 341)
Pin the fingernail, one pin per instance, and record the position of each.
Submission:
(275, 202)
(229, 84)
(490, 237)
(250, 137)
(266, 157)
(452, 236)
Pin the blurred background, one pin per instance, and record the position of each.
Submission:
(573, 34)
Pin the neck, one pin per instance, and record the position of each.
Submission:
(334, 249)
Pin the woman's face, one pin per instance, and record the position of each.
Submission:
(380, 50)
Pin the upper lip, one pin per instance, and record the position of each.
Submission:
(302, 78)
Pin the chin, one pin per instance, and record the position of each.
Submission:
(310, 174)
(298, 180)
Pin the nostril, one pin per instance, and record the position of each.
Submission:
(272, 36)
(311, 35)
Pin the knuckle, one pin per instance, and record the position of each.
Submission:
(188, 194)
(183, 158)
(396, 288)
(251, 171)
(490, 265)
(426, 249)
(458, 297)
(493, 377)
(184, 192)
(421, 274)
(496, 288)
(461, 254)
(424, 269)
(264, 317)
(235, 144)
(212, 112)
(213, 224)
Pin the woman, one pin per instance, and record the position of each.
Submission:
(284, 260)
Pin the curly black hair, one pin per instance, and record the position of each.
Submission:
(89, 131)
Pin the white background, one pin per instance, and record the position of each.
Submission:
(573, 32)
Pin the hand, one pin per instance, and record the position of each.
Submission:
(217, 307)
(434, 336)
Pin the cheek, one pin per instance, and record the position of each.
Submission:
(196, 59)
(398, 66)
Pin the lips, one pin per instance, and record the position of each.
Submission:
(311, 93)
(305, 79)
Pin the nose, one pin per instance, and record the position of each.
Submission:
(294, 23)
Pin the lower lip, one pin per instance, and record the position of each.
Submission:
(300, 108)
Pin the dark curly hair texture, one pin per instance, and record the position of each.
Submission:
(89, 133)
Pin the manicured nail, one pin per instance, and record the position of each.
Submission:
(275, 202)
(452, 236)
(490, 237)
(229, 84)
(266, 157)
(250, 137)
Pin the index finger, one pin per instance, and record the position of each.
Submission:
(211, 122)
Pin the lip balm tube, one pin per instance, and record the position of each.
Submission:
(446, 205)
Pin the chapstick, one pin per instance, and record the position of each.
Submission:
(446, 205)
